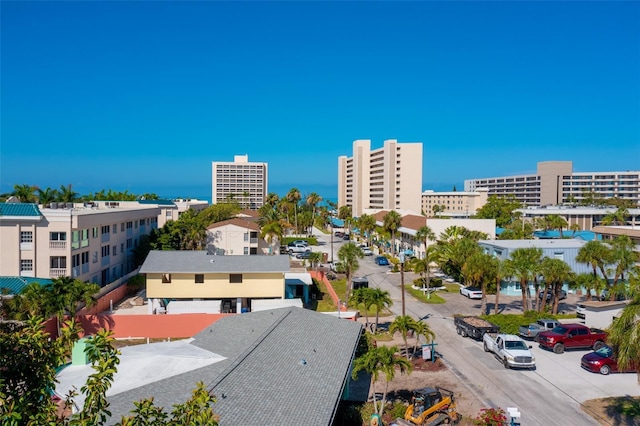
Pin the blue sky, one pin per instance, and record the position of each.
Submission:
(144, 96)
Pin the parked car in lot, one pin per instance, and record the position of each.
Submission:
(303, 242)
(509, 349)
(304, 255)
(339, 234)
(367, 251)
(603, 361)
(336, 267)
(581, 310)
(563, 295)
(531, 331)
(346, 237)
(381, 260)
(297, 248)
(471, 292)
(572, 336)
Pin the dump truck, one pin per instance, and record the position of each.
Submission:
(430, 407)
(474, 327)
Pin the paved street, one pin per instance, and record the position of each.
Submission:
(550, 395)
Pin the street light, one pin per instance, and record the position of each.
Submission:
(402, 278)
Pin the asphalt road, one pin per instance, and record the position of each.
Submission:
(549, 395)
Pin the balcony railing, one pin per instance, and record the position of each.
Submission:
(57, 272)
(57, 245)
(105, 261)
(26, 246)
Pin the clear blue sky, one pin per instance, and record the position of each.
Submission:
(145, 95)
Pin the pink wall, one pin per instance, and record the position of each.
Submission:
(320, 276)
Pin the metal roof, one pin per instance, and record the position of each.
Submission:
(19, 209)
(564, 243)
(158, 202)
(14, 285)
(189, 261)
(285, 366)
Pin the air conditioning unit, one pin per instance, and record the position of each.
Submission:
(53, 205)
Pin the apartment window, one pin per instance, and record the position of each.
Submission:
(114, 229)
(95, 232)
(246, 250)
(114, 250)
(105, 229)
(246, 236)
(85, 257)
(84, 234)
(129, 225)
(129, 243)
(58, 262)
(141, 222)
(166, 278)
(121, 247)
(199, 278)
(75, 260)
(235, 278)
(136, 225)
(26, 237)
(57, 236)
(122, 227)
(105, 251)
(95, 257)
(26, 265)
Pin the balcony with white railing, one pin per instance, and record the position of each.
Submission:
(57, 245)
(57, 272)
(26, 246)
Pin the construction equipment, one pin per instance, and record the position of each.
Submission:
(430, 407)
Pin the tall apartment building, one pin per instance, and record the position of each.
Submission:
(459, 204)
(556, 183)
(385, 178)
(92, 242)
(239, 180)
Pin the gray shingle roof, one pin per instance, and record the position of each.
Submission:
(284, 367)
(188, 261)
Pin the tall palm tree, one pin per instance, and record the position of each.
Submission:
(381, 359)
(596, 254)
(574, 228)
(67, 194)
(421, 328)
(425, 233)
(624, 335)
(590, 283)
(496, 270)
(25, 193)
(362, 296)
(46, 196)
(381, 300)
(344, 214)
(391, 223)
(523, 264)
(293, 196)
(475, 270)
(272, 199)
(348, 255)
(618, 217)
(312, 200)
(555, 272)
(403, 324)
(366, 224)
(623, 257)
(557, 222)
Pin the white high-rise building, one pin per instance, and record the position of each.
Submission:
(385, 178)
(241, 181)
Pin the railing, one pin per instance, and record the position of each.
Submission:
(84, 243)
(57, 245)
(253, 241)
(26, 246)
(56, 273)
(106, 238)
(105, 261)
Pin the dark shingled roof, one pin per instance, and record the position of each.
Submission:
(19, 209)
(284, 367)
(189, 261)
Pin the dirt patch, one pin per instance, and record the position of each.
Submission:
(615, 411)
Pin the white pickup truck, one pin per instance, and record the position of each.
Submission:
(510, 349)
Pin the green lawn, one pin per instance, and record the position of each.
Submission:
(419, 294)
(326, 304)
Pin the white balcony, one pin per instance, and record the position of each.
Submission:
(56, 273)
(57, 245)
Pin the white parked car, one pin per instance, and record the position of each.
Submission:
(471, 292)
(367, 251)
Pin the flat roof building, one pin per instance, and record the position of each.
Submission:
(241, 181)
(459, 204)
(556, 183)
(384, 178)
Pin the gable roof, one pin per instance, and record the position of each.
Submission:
(19, 209)
(242, 223)
(248, 214)
(189, 261)
(282, 366)
(14, 285)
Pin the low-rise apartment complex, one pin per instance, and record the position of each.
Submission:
(243, 181)
(458, 204)
(585, 217)
(385, 178)
(555, 182)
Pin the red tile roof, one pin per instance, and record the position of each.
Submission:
(242, 223)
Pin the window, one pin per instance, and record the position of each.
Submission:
(558, 255)
(75, 260)
(246, 236)
(114, 250)
(199, 278)
(26, 237)
(235, 278)
(58, 262)
(95, 232)
(246, 250)
(141, 222)
(26, 265)
(122, 227)
(105, 229)
(95, 257)
(129, 225)
(114, 229)
(105, 251)
(121, 247)
(129, 243)
(85, 257)
(57, 236)
(166, 278)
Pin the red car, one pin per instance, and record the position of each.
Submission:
(602, 361)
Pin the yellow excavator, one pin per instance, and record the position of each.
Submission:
(430, 407)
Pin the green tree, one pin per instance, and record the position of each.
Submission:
(499, 208)
(623, 257)
(555, 272)
(596, 254)
(523, 264)
(46, 196)
(293, 197)
(616, 218)
(425, 234)
(381, 300)
(381, 359)
(624, 335)
(403, 324)
(313, 199)
(344, 214)
(67, 194)
(364, 297)
(391, 223)
(348, 255)
(495, 271)
(25, 193)
(421, 328)
(557, 222)
(366, 224)
(65, 293)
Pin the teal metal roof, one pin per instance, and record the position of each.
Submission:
(19, 209)
(158, 202)
(14, 285)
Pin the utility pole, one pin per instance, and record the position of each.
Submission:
(402, 279)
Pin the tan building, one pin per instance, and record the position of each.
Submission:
(241, 181)
(385, 178)
(92, 242)
(228, 281)
(453, 204)
(556, 183)
(237, 236)
(587, 218)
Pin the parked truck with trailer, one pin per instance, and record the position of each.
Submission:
(474, 327)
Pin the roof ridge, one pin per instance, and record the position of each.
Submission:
(216, 382)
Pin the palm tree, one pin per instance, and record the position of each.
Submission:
(25, 193)
(590, 283)
(523, 264)
(391, 223)
(381, 359)
(421, 328)
(403, 324)
(495, 271)
(272, 199)
(557, 222)
(624, 335)
(46, 196)
(65, 293)
(362, 296)
(272, 230)
(344, 214)
(574, 228)
(366, 224)
(623, 257)
(555, 272)
(312, 200)
(381, 300)
(67, 194)
(293, 196)
(425, 233)
(475, 268)
(618, 217)
(348, 255)
(596, 254)
(315, 259)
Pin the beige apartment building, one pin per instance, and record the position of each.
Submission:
(556, 183)
(240, 180)
(587, 218)
(454, 204)
(384, 178)
(236, 236)
(92, 242)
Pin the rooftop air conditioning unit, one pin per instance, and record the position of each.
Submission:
(53, 205)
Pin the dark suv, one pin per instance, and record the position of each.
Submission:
(563, 295)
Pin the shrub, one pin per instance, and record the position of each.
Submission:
(135, 284)
(491, 417)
